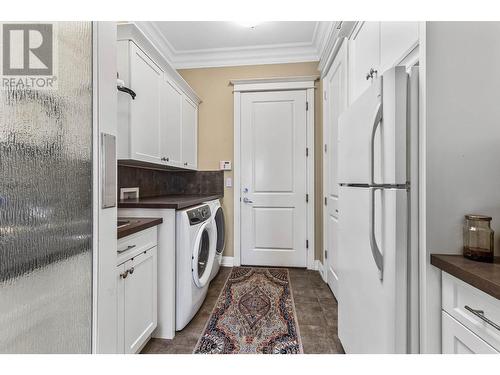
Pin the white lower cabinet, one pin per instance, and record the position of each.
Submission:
(459, 340)
(137, 300)
(469, 317)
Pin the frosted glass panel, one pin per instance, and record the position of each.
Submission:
(46, 205)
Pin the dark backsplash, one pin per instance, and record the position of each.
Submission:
(153, 183)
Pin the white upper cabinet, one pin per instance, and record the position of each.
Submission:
(160, 126)
(189, 134)
(378, 46)
(397, 39)
(364, 55)
(139, 118)
(171, 121)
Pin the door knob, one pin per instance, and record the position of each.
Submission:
(246, 200)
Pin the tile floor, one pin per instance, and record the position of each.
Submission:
(316, 312)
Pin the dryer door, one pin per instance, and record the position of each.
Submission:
(203, 257)
(221, 230)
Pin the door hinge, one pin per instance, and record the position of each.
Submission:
(307, 198)
(326, 254)
(326, 147)
(324, 95)
(326, 201)
(307, 151)
(307, 106)
(307, 244)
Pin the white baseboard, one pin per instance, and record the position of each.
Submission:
(227, 261)
(319, 267)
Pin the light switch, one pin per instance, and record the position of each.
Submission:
(225, 165)
(229, 182)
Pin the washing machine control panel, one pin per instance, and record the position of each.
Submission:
(198, 215)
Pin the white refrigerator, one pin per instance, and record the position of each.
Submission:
(378, 202)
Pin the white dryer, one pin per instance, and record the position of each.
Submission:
(195, 253)
(219, 228)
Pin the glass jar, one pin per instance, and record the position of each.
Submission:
(478, 238)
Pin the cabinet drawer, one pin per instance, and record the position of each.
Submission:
(459, 340)
(136, 243)
(457, 295)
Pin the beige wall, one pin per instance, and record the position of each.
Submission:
(215, 132)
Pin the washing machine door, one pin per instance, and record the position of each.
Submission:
(220, 225)
(203, 257)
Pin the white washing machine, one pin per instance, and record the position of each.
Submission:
(195, 254)
(219, 228)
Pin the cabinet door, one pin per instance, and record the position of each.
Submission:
(457, 339)
(364, 54)
(397, 39)
(189, 134)
(170, 131)
(140, 301)
(145, 80)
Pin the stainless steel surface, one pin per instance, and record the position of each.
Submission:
(129, 247)
(108, 170)
(480, 315)
(376, 253)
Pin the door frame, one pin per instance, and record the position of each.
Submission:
(341, 57)
(240, 86)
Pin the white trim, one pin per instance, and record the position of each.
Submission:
(150, 43)
(424, 262)
(310, 178)
(318, 266)
(276, 85)
(237, 178)
(227, 261)
(335, 34)
(237, 56)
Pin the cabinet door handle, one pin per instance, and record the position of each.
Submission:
(480, 315)
(126, 249)
(131, 270)
(185, 163)
(124, 274)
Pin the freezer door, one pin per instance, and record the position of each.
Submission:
(373, 310)
(373, 133)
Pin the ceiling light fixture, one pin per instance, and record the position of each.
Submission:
(249, 24)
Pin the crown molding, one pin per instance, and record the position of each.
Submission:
(145, 38)
(274, 83)
(236, 56)
(336, 33)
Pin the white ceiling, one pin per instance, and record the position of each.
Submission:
(194, 44)
(186, 36)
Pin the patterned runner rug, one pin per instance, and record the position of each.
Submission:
(254, 314)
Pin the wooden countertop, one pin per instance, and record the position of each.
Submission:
(483, 276)
(136, 225)
(176, 202)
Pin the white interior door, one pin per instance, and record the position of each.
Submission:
(273, 178)
(335, 98)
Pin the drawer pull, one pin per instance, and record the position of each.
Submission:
(124, 275)
(480, 315)
(129, 247)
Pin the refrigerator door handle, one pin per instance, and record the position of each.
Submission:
(377, 255)
(376, 122)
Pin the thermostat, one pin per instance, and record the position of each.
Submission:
(225, 165)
